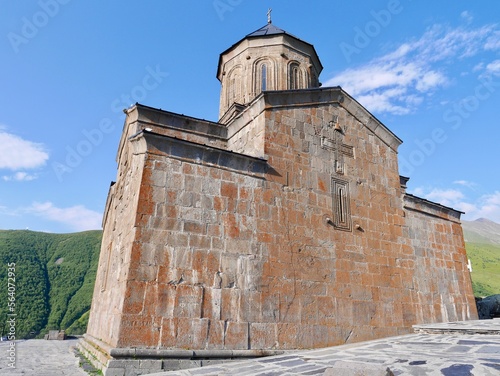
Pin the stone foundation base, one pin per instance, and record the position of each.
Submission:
(142, 361)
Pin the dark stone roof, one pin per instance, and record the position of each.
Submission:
(268, 29)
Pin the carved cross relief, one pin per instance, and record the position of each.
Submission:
(337, 145)
(340, 186)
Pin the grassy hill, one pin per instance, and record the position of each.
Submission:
(482, 241)
(485, 260)
(54, 279)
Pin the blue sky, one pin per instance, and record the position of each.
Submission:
(430, 71)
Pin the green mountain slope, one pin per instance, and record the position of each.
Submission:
(485, 260)
(54, 279)
(482, 241)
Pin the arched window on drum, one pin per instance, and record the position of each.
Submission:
(234, 87)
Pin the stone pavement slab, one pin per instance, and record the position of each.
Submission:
(458, 353)
(39, 357)
(463, 327)
(460, 349)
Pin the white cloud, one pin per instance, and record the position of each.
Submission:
(478, 67)
(466, 208)
(17, 153)
(78, 218)
(493, 41)
(382, 101)
(430, 80)
(466, 16)
(492, 199)
(447, 197)
(398, 81)
(485, 206)
(488, 206)
(20, 176)
(440, 43)
(384, 86)
(465, 183)
(493, 67)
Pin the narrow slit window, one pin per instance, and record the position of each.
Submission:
(263, 77)
(231, 95)
(295, 77)
(341, 204)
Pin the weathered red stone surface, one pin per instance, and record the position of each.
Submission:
(223, 257)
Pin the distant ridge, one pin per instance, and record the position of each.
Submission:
(481, 230)
(54, 280)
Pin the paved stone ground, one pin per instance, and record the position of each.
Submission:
(416, 354)
(452, 349)
(42, 358)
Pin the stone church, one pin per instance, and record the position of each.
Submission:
(284, 225)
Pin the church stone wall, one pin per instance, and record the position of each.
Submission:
(334, 282)
(194, 251)
(441, 285)
(229, 251)
(246, 133)
(118, 236)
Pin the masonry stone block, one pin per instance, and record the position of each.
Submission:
(187, 364)
(236, 335)
(216, 333)
(259, 335)
(192, 333)
(188, 301)
(114, 372)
